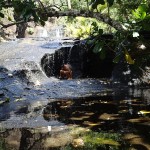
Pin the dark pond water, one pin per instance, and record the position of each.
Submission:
(43, 113)
(116, 119)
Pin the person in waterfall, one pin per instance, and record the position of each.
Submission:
(66, 71)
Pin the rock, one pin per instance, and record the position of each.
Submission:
(10, 75)
(2, 102)
(78, 142)
(1, 93)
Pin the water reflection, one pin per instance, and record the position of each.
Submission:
(121, 119)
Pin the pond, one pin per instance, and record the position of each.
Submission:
(37, 112)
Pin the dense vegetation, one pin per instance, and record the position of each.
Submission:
(128, 21)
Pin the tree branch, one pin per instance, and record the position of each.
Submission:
(101, 17)
(74, 13)
(11, 24)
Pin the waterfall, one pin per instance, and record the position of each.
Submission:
(42, 32)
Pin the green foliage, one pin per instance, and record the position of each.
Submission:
(95, 3)
(98, 140)
(30, 30)
(134, 16)
(7, 99)
(2, 144)
(141, 12)
(79, 27)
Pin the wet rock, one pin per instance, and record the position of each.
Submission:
(2, 76)
(1, 93)
(27, 88)
(37, 106)
(10, 75)
(61, 139)
(23, 109)
(2, 102)
(2, 69)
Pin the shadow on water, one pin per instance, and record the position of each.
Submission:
(129, 117)
(121, 119)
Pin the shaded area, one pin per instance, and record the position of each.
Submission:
(84, 62)
(129, 117)
(119, 123)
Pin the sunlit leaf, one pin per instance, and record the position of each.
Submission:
(140, 12)
(143, 15)
(135, 34)
(128, 58)
(136, 14)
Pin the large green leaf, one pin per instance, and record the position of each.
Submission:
(102, 53)
(98, 47)
(140, 12)
(142, 8)
(128, 57)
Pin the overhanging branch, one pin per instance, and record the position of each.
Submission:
(11, 24)
(74, 13)
(83, 13)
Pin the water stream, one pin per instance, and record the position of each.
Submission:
(40, 112)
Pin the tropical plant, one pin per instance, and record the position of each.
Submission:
(127, 19)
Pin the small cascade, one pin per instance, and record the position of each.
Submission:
(42, 32)
(57, 33)
(51, 63)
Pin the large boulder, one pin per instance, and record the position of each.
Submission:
(83, 61)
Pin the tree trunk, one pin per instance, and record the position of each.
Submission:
(20, 30)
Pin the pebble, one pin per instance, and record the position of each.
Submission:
(10, 75)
